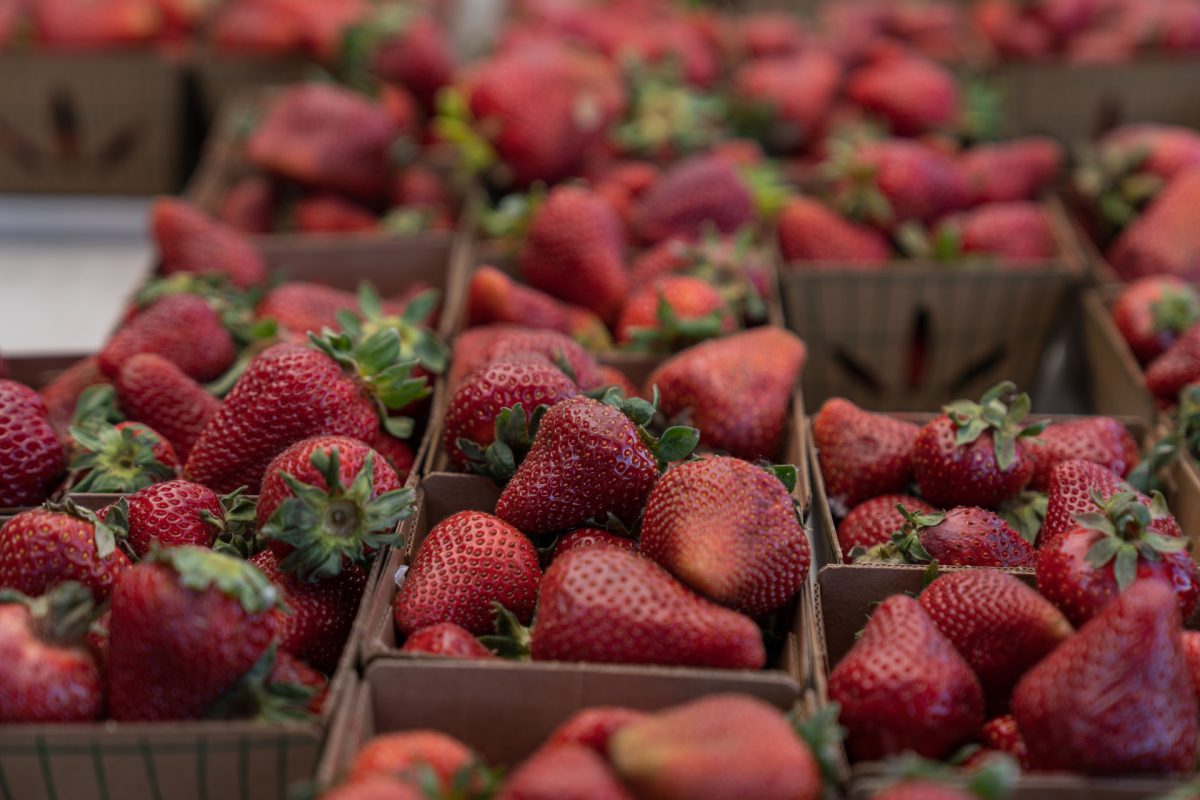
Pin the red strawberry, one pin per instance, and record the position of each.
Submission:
(398, 453)
(913, 95)
(49, 675)
(419, 186)
(419, 58)
(770, 33)
(1072, 488)
(120, 458)
(31, 457)
(566, 772)
(698, 192)
(466, 564)
(1162, 241)
(738, 389)
(187, 624)
(1002, 735)
(399, 754)
(1179, 366)
(302, 307)
(157, 393)
(609, 605)
(40, 549)
(592, 537)
(327, 212)
(795, 91)
(325, 136)
(893, 181)
(1020, 169)
(572, 250)
(250, 205)
(672, 312)
(973, 453)
(171, 514)
(1017, 231)
(191, 241)
(1116, 698)
(873, 521)
(477, 346)
(377, 787)
(293, 673)
(1161, 151)
(1110, 547)
(1000, 626)
(182, 328)
(1152, 312)
(862, 454)
(612, 376)
(964, 536)
(594, 727)
(1101, 440)
(495, 297)
(921, 789)
(808, 230)
(445, 639)
(1191, 649)
(727, 529)
(62, 394)
(903, 686)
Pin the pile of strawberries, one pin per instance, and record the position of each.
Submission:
(88, 25)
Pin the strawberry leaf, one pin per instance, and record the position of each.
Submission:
(676, 443)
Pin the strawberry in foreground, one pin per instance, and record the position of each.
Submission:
(47, 673)
(405, 752)
(963, 536)
(42, 548)
(187, 624)
(564, 772)
(1117, 697)
(31, 457)
(594, 727)
(445, 639)
(1073, 489)
(155, 392)
(862, 454)
(190, 241)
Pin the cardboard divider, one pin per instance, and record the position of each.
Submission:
(917, 334)
(1116, 381)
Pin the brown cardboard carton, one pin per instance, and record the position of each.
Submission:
(1117, 383)
(221, 76)
(90, 122)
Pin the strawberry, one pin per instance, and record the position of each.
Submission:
(321, 135)
(298, 677)
(1072, 490)
(1116, 698)
(42, 548)
(494, 297)
(477, 346)
(377, 787)
(594, 727)
(418, 57)
(738, 389)
(913, 95)
(62, 394)
(72, 26)
(398, 453)
(1005, 172)
(1151, 313)
(1017, 231)
(873, 521)
(904, 686)
(1111, 546)
(1151, 148)
(445, 639)
(49, 675)
(120, 458)
(611, 376)
(608, 605)
(182, 328)
(301, 307)
(761, 34)
(31, 458)
(973, 453)
(420, 186)
(788, 97)
(862, 455)
(963, 536)
(572, 251)
(808, 230)
(1101, 440)
(1177, 367)
(565, 772)
(1191, 649)
(728, 530)
(191, 241)
(398, 754)
(673, 312)
(466, 564)
(187, 624)
(250, 205)
(328, 212)
(154, 391)
(893, 181)
(697, 192)
(1002, 735)
(290, 392)
(1162, 241)
(589, 459)
(1000, 626)
(176, 513)
(476, 412)
(591, 537)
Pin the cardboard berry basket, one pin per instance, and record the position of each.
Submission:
(221, 75)
(1116, 381)
(86, 123)
(916, 334)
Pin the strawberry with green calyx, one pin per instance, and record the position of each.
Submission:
(873, 521)
(563, 772)
(964, 536)
(672, 313)
(261, 695)
(416, 341)
(445, 639)
(234, 306)
(514, 434)
(1026, 514)
(1152, 312)
(120, 458)
(919, 779)
(973, 454)
(42, 548)
(176, 513)
(668, 119)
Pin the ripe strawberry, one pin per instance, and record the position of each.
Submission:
(808, 230)
(445, 639)
(191, 241)
(1002, 735)
(303, 308)
(42, 548)
(296, 676)
(62, 394)
(420, 186)
(321, 135)
(398, 453)
(419, 57)
(1017, 231)
(328, 212)
(1191, 649)
(1134, 163)
(94, 26)
(49, 675)
(182, 328)
(738, 389)
(964, 536)
(608, 605)
(1074, 486)
(1005, 172)
(893, 181)
(862, 455)
(572, 251)
(1110, 547)
(377, 788)
(913, 95)
(903, 686)
(1000, 626)
(397, 754)
(250, 205)
(588, 459)
(1152, 312)
(466, 564)
(173, 514)
(187, 624)
(1101, 440)
(698, 192)
(672, 312)
(760, 34)
(566, 772)
(794, 93)
(120, 458)
(1116, 698)
(495, 297)
(727, 529)
(154, 391)
(290, 392)
(973, 453)
(591, 537)
(594, 727)
(873, 521)
(1177, 367)
(1162, 241)
(612, 376)
(477, 346)
(31, 457)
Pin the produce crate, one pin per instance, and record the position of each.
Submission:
(917, 334)
(221, 76)
(88, 123)
(1116, 381)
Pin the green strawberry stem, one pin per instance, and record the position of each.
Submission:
(236, 307)
(511, 217)
(362, 40)
(993, 781)
(416, 341)
(62, 616)
(97, 408)
(1000, 410)
(905, 546)
(1124, 522)
(671, 332)
(105, 536)
(252, 697)
(331, 527)
(1184, 436)
(1025, 513)
(201, 569)
(511, 639)
(116, 460)
(514, 436)
(824, 736)
(676, 442)
(237, 525)
(456, 125)
(1175, 311)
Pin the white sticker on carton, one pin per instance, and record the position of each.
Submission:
(399, 577)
